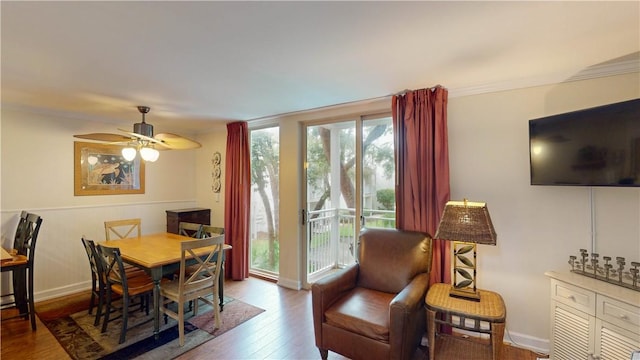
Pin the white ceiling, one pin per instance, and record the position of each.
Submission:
(195, 62)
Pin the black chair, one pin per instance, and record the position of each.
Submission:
(98, 286)
(22, 267)
(117, 282)
(18, 246)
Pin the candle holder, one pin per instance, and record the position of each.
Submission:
(618, 274)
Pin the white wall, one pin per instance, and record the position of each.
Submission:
(214, 140)
(37, 175)
(538, 226)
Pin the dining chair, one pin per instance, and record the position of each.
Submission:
(210, 231)
(122, 228)
(22, 221)
(117, 282)
(189, 229)
(22, 266)
(194, 283)
(98, 286)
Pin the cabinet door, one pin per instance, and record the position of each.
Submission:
(572, 333)
(613, 342)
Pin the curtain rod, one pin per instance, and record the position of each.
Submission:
(405, 91)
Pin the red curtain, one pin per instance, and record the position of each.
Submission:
(422, 168)
(237, 200)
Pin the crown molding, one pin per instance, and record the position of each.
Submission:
(592, 72)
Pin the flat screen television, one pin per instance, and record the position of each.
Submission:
(598, 146)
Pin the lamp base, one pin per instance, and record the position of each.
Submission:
(467, 294)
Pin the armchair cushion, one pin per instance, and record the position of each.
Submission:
(362, 311)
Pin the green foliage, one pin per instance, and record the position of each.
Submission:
(260, 255)
(386, 198)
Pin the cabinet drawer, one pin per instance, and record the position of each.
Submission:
(576, 297)
(618, 313)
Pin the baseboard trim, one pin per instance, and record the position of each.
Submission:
(523, 341)
(61, 291)
(289, 283)
(537, 345)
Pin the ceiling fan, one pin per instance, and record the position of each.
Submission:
(143, 140)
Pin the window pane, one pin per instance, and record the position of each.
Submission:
(263, 237)
(378, 174)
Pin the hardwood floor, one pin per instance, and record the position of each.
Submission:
(283, 331)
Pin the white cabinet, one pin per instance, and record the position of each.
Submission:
(591, 319)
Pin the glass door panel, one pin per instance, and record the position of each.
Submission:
(263, 228)
(350, 183)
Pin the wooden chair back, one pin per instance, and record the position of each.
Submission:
(113, 271)
(26, 244)
(197, 280)
(97, 278)
(122, 229)
(89, 247)
(211, 231)
(190, 229)
(22, 222)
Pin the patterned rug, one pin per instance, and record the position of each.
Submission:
(82, 340)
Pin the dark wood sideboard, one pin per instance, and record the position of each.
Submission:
(192, 215)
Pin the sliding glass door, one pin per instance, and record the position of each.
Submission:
(349, 178)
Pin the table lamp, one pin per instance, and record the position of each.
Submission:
(465, 223)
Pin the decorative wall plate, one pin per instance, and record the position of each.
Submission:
(216, 186)
(216, 172)
(216, 158)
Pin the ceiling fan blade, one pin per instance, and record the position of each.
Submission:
(177, 142)
(105, 137)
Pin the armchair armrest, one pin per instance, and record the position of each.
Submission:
(326, 291)
(411, 296)
(407, 316)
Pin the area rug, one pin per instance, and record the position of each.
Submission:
(82, 340)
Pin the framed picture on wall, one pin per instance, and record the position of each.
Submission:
(100, 169)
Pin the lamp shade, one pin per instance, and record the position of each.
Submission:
(129, 153)
(466, 221)
(149, 154)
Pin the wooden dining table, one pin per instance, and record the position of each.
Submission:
(158, 254)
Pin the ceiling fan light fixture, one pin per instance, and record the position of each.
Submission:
(143, 139)
(129, 153)
(149, 154)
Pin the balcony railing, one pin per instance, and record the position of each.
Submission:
(332, 241)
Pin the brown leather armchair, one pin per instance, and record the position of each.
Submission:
(374, 309)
